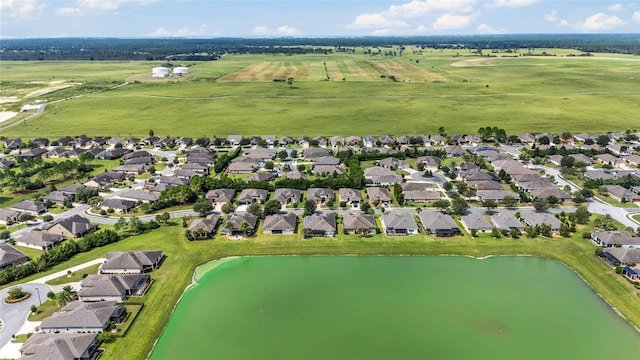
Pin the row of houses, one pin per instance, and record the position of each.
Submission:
(620, 248)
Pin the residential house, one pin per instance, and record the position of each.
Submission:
(453, 151)
(234, 224)
(172, 180)
(220, 196)
(620, 150)
(351, 196)
(140, 196)
(250, 196)
(130, 169)
(113, 287)
(39, 240)
(497, 195)
(326, 160)
(380, 195)
(438, 224)
(60, 347)
(537, 219)
(9, 216)
(285, 141)
(320, 225)
(4, 163)
(72, 190)
(320, 195)
(58, 197)
(380, 176)
(73, 227)
(197, 168)
(506, 221)
(314, 153)
(30, 207)
(10, 256)
(84, 317)
(623, 256)
(632, 160)
(234, 140)
(336, 141)
(118, 205)
(431, 163)
(391, 163)
(12, 144)
(399, 223)
(204, 228)
(609, 239)
(354, 222)
(622, 194)
(548, 193)
(106, 180)
(475, 222)
(327, 169)
(131, 262)
(260, 177)
(280, 223)
(608, 159)
(287, 196)
(242, 167)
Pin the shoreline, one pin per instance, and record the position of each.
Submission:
(205, 267)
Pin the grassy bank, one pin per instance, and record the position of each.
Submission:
(183, 257)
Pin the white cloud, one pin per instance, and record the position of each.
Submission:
(381, 32)
(600, 21)
(616, 7)
(486, 29)
(21, 8)
(68, 11)
(422, 29)
(375, 21)
(564, 23)
(283, 30)
(636, 16)
(83, 7)
(184, 32)
(452, 22)
(511, 3)
(552, 16)
(415, 9)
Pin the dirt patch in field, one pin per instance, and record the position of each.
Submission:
(48, 90)
(247, 73)
(356, 72)
(404, 71)
(6, 115)
(486, 61)
(333, 71)
(270, 70)
(8, 99)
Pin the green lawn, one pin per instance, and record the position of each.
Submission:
(44, 310)
(614, 202)
(561, 94)
(32, 253)
(75, 276)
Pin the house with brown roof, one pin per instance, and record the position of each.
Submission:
(201, 229)
(320, 195)
(352, 197)
(380, 195)
(234, 224)
(72, 227)
(280, 223)
(250, 196)
(320, 225)
(220, 196)
(60, 347)
(287, 196)
(354, 222)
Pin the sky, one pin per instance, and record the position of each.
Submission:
(311, 18)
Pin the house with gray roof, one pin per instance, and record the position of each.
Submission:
(506, 221)
(320, 225)
(60, 347)
(352, 222)
(260, 177)
(9, 216)
(10, 256)
(280, 223)
(391, 163)
(609, 239)
(620, 193)
(242, 167)
(326, 160)
(72, 189)
(137, 195)
(220, 196)
(352, 197)
(250, 196)
(475, 222)
(39, 240)
(30, 207)
(497, 195)
(118, 205)
(113, 287)
(173, 180)
(380, 176)
(73, 227)
(131, 262)
(84, 317)
(621, 256)
(431, 163)
(379, 194)
(536, 219)
(327, 170)
(320, 195)
(421, 196)
(438, 224)
(233, 225)
(287, 196)
(314, 153)
(399, 223)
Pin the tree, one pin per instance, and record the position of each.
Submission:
(290, 82)
(603, 140)
(255, 209)
(16, 293)
(365, 207)
(309, 207)
(497, 233)
(582, 214)
(51, 295)
(34, 309)
(66, 296)
(448, 186)
(202, 206)
(441, 131)
(47, 218)
(227, 208)
(442, 204)
(282, 155)
(269, 165)
(540, 204)
(271, 207)
(509, 201)
(490, 204)
(459, 206)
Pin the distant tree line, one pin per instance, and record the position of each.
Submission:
(212, 49)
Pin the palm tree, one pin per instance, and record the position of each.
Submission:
(244, 227)
(66, 296)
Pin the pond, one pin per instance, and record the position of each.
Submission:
(381, 307)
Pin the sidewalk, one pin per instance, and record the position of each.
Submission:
(44, 279)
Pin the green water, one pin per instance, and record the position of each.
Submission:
(394, 308)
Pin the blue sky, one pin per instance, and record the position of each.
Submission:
(311, 18)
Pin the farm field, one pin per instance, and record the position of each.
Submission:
(338, 93)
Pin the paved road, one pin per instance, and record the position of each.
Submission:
(14, 315)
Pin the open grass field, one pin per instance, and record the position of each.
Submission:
(183, 257)
(237, 95)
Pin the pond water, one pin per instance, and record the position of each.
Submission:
(394, 308)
